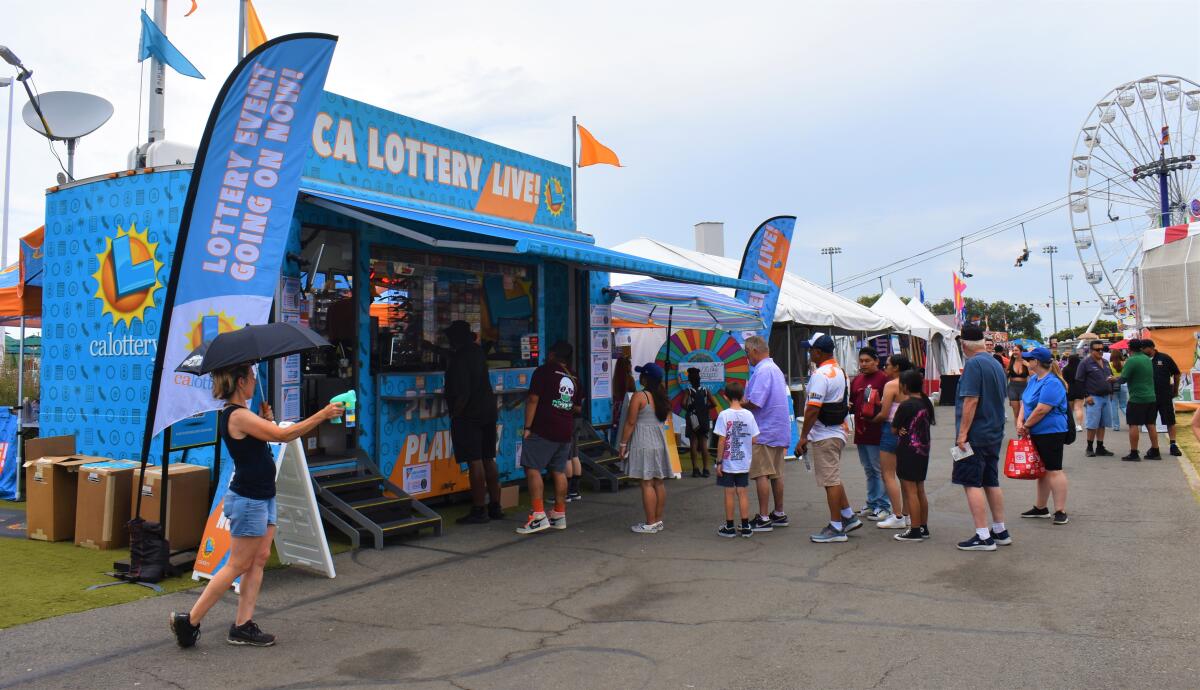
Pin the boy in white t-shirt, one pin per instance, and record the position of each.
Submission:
(736, 428)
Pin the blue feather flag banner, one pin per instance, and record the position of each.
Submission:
(155, 44)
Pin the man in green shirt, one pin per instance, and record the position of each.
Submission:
(1143, 405)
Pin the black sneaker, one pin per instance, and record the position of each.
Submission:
(477, 516)
(912, 534)
(248, 633)
(704, 473)
(758, 524)
(495, 512)
(727, 531)
(746, 532)
(1001, 538)
(1153, 454)
(924, 531)
(1090, 453)
(574, 496)
(696, 472)
(1102, 452)
(1036, 512)
(1060, 518)
(977, 544)
(186, 634)
(779, 519)
(1175, 450)
(1132, 457)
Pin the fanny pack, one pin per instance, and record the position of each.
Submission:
(833, 414)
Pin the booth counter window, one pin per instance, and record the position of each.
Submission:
(415, 296)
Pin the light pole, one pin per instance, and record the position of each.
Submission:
(7, 81)
(1066, 279)
(1051, 250)
(830, 251)
(916, 283)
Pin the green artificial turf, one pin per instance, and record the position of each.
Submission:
(43, 579)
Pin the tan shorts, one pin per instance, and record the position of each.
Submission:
(827, 460)
(767, 461)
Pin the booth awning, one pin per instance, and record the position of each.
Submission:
(20, 284)
(445, 232)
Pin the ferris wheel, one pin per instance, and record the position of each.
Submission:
(1133, 169)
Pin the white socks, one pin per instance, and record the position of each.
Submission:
(982, 533)
(836, 525)
(847, 513)
(997, 527)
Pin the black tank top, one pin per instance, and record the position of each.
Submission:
(253, 465)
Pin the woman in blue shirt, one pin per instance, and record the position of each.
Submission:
(1044, 421)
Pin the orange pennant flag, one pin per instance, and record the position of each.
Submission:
(189, 12)
(592, 152)
(255, 36)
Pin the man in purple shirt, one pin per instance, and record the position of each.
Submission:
(767, 399)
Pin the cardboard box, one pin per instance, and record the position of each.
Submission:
(50, 488)
(510, 496)
(102, 512)
(187, 501)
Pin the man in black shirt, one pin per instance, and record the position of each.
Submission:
(472, 407)
(1166, 389)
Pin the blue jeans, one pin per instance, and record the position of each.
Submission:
(1122, 399)
(876, 494)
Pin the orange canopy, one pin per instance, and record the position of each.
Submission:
(21, 284)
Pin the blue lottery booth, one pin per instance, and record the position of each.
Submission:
(401, 227)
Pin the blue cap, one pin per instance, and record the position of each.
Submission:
(1041, 354)
(651, 371)
(821, 342)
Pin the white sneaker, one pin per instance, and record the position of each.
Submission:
(643, 528)
(879, 514)
(865, 510)
(558, 520)
(1078, 428)
(658, 526)
(893, 521)
(536, 523)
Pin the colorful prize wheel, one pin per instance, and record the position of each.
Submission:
(718, 356)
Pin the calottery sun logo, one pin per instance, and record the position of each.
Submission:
(556, 201)
(128, 275)
(208, 326)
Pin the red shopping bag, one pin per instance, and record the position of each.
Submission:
(1023, 461)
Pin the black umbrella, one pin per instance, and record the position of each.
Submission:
(251, 344)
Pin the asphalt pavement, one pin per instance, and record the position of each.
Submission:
(1106, 601)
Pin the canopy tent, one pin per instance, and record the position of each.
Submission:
(942, 354)
(21, 285)
(889, 306)
(800, 301)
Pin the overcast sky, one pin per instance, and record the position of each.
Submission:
(886, 127)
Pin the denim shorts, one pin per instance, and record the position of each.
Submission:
(248, 517)
(1097, 414)
(887, 439)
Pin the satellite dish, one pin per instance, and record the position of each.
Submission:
(70, 114)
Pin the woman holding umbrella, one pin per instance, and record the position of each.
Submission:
(249, 503)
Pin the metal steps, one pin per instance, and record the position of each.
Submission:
(603, 468)
(355, 497)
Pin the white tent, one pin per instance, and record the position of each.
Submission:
(800, 301)
(935, 324)
(889, 306)
(942, 354)
(941, 351)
